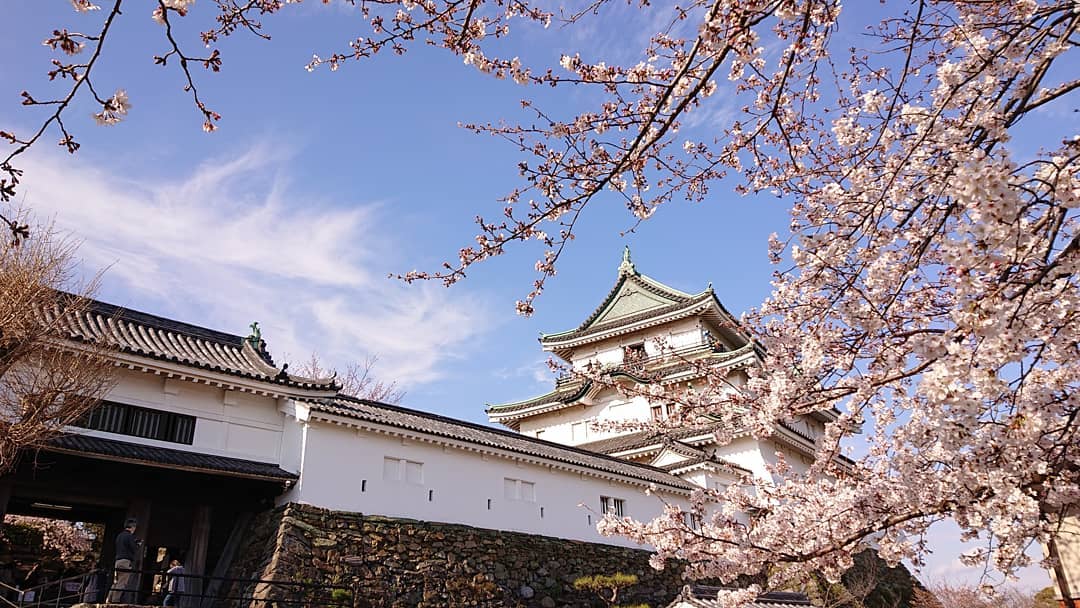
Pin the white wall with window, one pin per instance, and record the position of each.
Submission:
(584, 424)
(609, 505)
(678, 334)
(692, 520)
(156, 410)
(519, 489)
(369, 472)
(403, 469)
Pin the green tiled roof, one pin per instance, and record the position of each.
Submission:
(634, 297)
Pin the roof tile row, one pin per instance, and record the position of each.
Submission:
(166, 457)
(155, 337)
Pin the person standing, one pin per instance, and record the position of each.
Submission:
(127, 548)
(175, 583)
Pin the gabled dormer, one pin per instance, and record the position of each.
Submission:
(637, 303)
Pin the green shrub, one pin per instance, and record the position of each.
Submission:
(341, 596)
(607, 587)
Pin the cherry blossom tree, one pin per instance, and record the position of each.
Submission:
(70, 541)
(926, 286)
(49, 541)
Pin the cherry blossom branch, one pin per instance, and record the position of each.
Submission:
(68, 43)
(211, 62)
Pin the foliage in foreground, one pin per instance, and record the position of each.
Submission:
(48, 547)
(45, 383)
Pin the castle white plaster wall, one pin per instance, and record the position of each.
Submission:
(755, 456)
(343, 470)
(293, 440)
(719, 480)
(608, 406)
(558, 426)
(677, 334)
(745, 452)
(799, 462)
(250, 428)
(699, 477)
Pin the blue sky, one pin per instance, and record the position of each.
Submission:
(319, 185)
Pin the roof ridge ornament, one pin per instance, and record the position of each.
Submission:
(627, 266)
(255, 337)
(257, 344)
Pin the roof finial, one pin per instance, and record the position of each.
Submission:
(255, 337)
(627, 266)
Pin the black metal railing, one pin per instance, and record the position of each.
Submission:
(7, 591)
(180, 590)
(61, 592)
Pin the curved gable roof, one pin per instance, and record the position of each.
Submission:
(146, 335)
(632, 296)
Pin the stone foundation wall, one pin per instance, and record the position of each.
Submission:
(335, 559)
(385, 562)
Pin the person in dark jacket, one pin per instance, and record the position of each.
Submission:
(127, 549)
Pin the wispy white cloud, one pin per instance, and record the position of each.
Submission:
(235, 241)
(536, 371)
(416, 333)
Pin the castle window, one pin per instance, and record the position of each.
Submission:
(391, 469)
(123, 419)
(579, 431)
(662, 412)
(400, 469)
(517, 489)
(634, 352)
(612, 506)
(692, 520)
